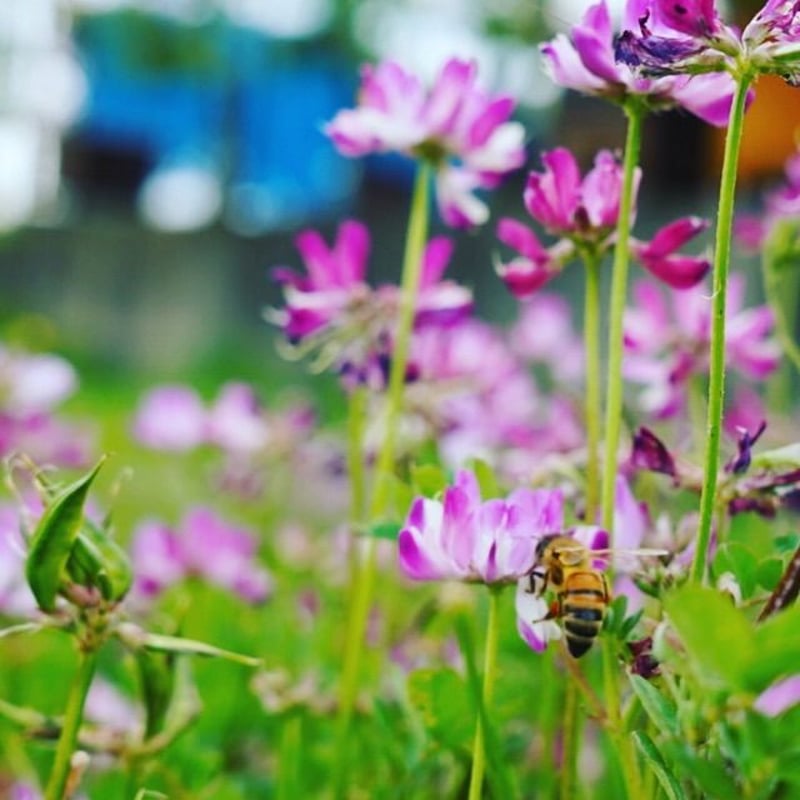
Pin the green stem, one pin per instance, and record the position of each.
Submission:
(365, 573)
(356, 419)
(489, 676)
(619, 289)
(73, 715)
(624, 744)
(570, 737)
(716, 378)
(591, 337)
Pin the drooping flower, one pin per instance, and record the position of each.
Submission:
(673, 37)
(584, 60)
(204, 545)
(667, 342)
(584, 212)
(463, 131)
(463, 537)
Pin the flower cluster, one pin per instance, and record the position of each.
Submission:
(463, 131)
(32, 387)
(203, 545)
(666, 342)
(675, 36)
(586, 62)
(333, 310)
(583, 212)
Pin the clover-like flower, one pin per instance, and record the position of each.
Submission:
(584, 60)
(462, 537)
(583, 211)
(204, 545)
(689, 36)
(667, 340)
(463, 131)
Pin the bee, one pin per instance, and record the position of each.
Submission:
(582, 594)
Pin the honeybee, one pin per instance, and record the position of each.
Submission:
(581, 590)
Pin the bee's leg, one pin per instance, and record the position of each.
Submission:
(606, 590)
(537, 581)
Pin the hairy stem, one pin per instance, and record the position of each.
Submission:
(619, 289)
(716, 378)
(591, 338)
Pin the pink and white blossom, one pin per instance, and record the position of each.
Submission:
(462, 130)
(462, 537)
(584, 60)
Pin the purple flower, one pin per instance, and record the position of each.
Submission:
(779, 697)
(204, 545)
(335, 279)
(544, 335)
(584, 212)
(667, 344)
(16, 599)
(459, 128)
(236, 421)
(170, 418)
(585, 61)
(349, 323)
(465, 538)
(658, 256)
(674, 36)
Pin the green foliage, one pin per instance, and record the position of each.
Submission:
(52, 543)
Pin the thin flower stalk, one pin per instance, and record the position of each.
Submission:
(73, 715)
(619, 284)
(591, 328)
(716, 378)
(489, 677)
(365, 573)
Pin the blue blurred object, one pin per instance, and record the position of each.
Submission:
(226, 99)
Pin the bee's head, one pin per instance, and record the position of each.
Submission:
(543, 544)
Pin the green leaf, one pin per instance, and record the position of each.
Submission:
(157, 681)
(428, 480)
(769, 572)
(669, 783)
(740, 561)
(440, 696)
(660, 709)
(717, 636)
(486, 478)
(384, 529)
(776, 646)
(53, 540)
(706, 772)
(136, 638)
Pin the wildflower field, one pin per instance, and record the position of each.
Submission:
(554, 558)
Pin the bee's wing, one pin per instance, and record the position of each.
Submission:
(641, 552)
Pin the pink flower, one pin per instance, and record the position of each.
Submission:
(544, 335)
(462, 537)
(463, 131)
(667, 343)
(16, 599)
(658, 256)
(585, 61)
(335, 279)
(669, 37)
(351, 323)
(170, 418)
(204, 545)
(779, 697)
(236, 421)
(584, 212)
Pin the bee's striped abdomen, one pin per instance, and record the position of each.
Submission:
(583, 604)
